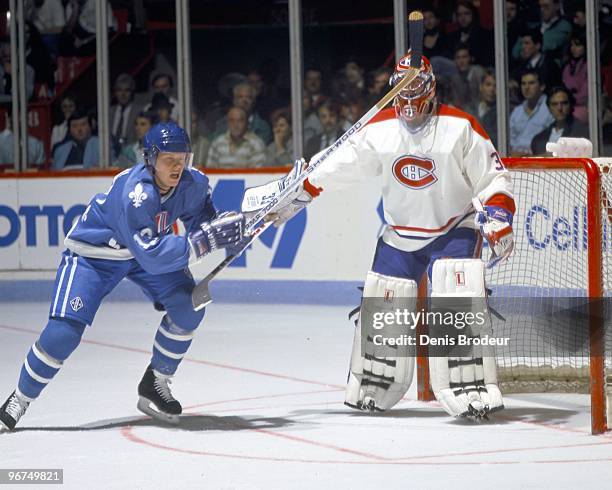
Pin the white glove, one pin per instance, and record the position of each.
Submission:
(571, 148)
(294, 204)
(495, 224)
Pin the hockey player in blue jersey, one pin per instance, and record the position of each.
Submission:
(127, 233)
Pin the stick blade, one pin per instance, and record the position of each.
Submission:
(200, 296)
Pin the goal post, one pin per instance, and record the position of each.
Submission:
(563, 246)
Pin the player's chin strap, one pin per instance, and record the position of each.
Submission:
(464, 383)
(380, 372)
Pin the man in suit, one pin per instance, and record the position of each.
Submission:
(124, 112)
(328, 113)
(561, 105)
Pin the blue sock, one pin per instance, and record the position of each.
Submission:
(170, 346)
(45, 358)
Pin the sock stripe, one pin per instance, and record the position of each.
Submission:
(166, 352)
(33, 375)
(59, 286)
(173, 336)
(67, 293)
(45, 358)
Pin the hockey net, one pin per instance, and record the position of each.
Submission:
(562, 256)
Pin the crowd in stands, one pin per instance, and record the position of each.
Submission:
(252, 127)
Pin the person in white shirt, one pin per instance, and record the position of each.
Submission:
(437, 166)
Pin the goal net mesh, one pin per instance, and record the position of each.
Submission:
(534, 292)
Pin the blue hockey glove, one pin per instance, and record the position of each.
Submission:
(226, 230)
(495, 224)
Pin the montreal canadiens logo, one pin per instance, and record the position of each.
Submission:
(414, 172)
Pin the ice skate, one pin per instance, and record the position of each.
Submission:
(156, 400)
(12, 410)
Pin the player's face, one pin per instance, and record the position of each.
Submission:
(559, 106)
(169, 168)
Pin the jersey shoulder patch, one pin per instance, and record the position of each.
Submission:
(445, 110)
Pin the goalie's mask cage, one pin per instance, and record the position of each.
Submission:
(415, 104)
(166, 138)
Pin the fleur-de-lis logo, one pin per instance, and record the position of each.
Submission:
(138, 195)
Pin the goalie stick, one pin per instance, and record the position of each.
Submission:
(254, 227)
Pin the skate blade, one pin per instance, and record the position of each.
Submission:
(146, 407)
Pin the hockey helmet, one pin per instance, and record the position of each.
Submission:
(418, 98)
(166, 137)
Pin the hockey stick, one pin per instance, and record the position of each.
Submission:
(200, 296)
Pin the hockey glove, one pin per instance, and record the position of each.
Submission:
(226, 230)
(495, 224)
(294, 204)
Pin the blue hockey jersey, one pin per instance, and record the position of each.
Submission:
(133, 221)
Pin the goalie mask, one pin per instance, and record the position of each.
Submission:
(166, 138)
(416, 103)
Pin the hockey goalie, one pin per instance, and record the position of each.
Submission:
(444, 188)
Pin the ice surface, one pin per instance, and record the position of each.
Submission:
(262, 388)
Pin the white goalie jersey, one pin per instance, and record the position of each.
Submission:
(428, 177)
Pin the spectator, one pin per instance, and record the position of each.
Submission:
(555, 31)
(377, 85)
(348, 82)
(533, 58)
(435, 41)
(312, 88)
(131, 154)
(6, 79)
(39, 58)
(238, 146)
(575, 76)
(560, 104)
(515, 26)
(531, 117)
(579, 17)
(49, 17)
(267, 98)
(312, 125)
(280, 151)
(199, 143)
(467, 80)
(486, 109)
(36, 151)
(79, 35)
(607, 126)
(330, 121)
(81, 150)
(162, 108)
(123, 112)
(479, 40)
(244, 96)
(349, 112)
(162, 83)
(68, 105)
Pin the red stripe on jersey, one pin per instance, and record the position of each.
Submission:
(502, 201)
(384, 115)
(445, 110)
(425, 230)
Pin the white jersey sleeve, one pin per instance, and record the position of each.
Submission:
(484, 167)
(355, 160)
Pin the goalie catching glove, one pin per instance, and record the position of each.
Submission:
(225, 231)
(495, 225)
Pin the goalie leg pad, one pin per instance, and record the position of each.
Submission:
(376, 380)
(464, 385)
